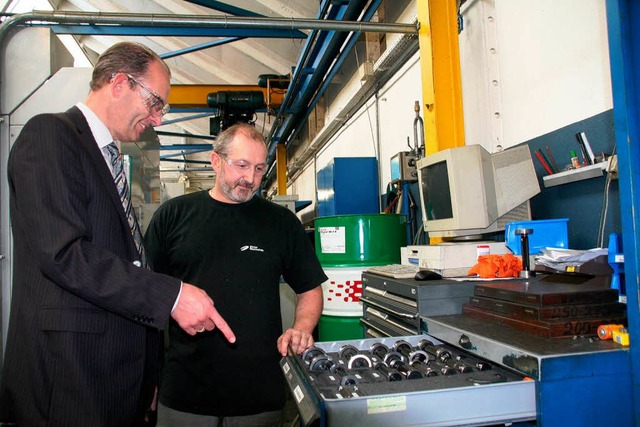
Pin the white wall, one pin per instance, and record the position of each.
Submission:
(305, 187)
(359, 137)
(528, 68)
(531, 67)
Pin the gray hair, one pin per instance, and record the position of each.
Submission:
(226, 137)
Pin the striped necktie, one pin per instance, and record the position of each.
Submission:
(120, 180)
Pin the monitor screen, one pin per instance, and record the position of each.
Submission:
(395, 168)
(437, 191)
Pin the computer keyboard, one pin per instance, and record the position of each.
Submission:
(397, 271)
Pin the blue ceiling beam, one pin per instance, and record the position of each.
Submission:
(200, 162)
(199, 47)
(186, 135)
(326, 47)
(224, 7)
(302, 71)
(183, 153)
(204, 112)
(190, 147)
(273, 139)
(336, 66)
(323, 52)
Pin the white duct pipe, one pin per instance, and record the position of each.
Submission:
(208, 21)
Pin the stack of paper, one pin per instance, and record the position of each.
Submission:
(560, 258)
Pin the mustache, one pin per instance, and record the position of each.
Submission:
(244, 183)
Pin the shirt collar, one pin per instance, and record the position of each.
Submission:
(99, 130)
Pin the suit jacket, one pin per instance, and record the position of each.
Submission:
(83, 341)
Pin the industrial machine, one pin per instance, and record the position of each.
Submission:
(403, 167)
(233, 107)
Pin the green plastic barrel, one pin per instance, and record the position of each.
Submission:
(337, 328)
(360, 240)
(346, 245)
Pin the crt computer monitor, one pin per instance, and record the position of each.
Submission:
(466, 192)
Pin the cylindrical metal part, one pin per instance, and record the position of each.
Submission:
(389, 373)
(311, 352)
(406, 371)
(444, 369)
(321, 363)
(419, 355)
(524, 242)
(379, 350)
(458, 366)
(359, 361)
(426, 371)
(483, 366)
(403, 347)
(439, 353)
(347, 351)
(392, 356)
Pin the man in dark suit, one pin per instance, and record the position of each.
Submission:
(83, 341)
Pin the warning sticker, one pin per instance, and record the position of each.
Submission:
(332, 240)
(386, 404)
(298, 394)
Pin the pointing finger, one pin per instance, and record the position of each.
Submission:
(221, 324)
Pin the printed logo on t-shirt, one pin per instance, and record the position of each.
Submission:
(251, 248)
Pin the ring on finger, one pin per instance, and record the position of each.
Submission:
(201, 329)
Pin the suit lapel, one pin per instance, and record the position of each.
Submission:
(79, 123)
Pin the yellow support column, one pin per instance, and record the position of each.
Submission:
(281, 171)
(441, 82)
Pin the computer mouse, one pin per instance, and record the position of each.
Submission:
(427, 275)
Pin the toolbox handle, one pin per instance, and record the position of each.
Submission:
(397, 313)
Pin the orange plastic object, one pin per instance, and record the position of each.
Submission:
(492, 266)
(605, 332)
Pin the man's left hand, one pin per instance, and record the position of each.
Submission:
(298, 340)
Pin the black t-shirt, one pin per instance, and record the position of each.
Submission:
(237, 254)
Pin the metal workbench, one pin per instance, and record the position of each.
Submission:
(579, 381)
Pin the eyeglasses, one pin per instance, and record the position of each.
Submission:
(154, 102)
(243, 166)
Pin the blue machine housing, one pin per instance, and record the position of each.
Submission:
(348, 185)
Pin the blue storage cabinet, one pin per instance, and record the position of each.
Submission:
(581, 382)
(348, 185)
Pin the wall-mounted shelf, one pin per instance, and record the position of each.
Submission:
(585, 172)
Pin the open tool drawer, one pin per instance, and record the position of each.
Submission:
(568, 371)
(360, 382)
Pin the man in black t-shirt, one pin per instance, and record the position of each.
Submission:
(236, 246)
